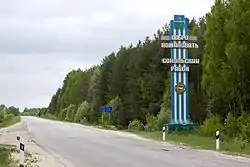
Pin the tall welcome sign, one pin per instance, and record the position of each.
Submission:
(179, 43)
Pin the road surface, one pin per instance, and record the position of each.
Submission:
(79, 146)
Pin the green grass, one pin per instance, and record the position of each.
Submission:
(10, 122)
(6, 150)
(5, 156)
(193, 140)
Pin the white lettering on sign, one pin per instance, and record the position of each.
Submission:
(179, 37)
(180, 61)
(178, 69)
(179, 45)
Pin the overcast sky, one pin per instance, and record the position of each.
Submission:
(42, 40)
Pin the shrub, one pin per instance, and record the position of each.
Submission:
(151, 123)
(210, 126)
(162, 118)
(238, 127)
(135, 125)
(236, 145)
(84, 121)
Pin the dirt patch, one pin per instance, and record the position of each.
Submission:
(35, 156)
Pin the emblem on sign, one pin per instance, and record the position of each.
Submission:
(180, 88)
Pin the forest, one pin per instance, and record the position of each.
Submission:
(137, 85)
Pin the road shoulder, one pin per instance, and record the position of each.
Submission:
(34, 155)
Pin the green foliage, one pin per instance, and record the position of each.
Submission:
(82, 112)
(237, 145)
(62, 114)
(84, 121)
(135, 125)
(8, 115)
(151, 123)
(11, 120)
(5, 156)
(238, 127)
(2, 115)
(13, 111)
(163, 118)
(210, 126)
(71, 111)
(49, 116)
(34, 111)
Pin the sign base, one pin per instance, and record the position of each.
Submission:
(182, 127)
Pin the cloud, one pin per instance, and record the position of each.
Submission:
(41, 40)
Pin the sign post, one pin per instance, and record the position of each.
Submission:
(179, 43)
(21, 151)
(105, 109)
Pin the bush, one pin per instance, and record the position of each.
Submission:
(151, 123)
(49, 116)
(236, 145)
(84, 121)
(8, 117)
(238, 127)
(210, 126)
(135, 125)
(162, 118)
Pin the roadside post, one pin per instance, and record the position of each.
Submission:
(18, 141)
(21, 151)
(164, 133)
(217, 136)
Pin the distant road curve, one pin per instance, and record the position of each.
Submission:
(81, 146)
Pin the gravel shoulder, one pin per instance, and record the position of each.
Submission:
(35, 156)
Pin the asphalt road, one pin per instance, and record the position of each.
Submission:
(81, 146)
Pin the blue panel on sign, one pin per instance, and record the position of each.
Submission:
(109, 109)
(179, 18)
(106, 109)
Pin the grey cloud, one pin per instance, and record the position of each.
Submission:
(70, 26)
(42, 40)
(33, 79)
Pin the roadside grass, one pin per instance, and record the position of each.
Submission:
(10, 122)
(6, 159)
(5, 156)
(193, 140)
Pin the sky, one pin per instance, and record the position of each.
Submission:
(42, 40)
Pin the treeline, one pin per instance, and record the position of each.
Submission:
(33, 111)
(7, 113)
(133, 81)
(137, 85)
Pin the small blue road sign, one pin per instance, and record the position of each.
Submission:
(107, 109)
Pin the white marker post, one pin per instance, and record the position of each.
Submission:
(18, 141)
(21, 151)
(217, 140)
(163, 133)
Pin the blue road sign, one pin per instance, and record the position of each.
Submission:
(107, 109)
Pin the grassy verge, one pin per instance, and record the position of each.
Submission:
(5, 150)
(5, 156)
(235, 147)
(10, 122)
